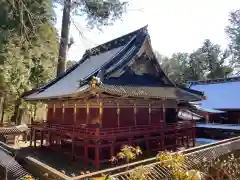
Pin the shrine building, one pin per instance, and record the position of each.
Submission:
(223, 101)
(117, 94)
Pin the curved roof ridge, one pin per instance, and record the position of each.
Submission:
(91, 52)
(214, 81)
(108, 45)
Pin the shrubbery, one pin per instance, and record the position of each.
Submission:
(176, 163)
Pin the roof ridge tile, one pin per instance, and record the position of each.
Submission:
(214, 81)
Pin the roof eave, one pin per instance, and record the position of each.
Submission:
(102, 90)
(74, 95)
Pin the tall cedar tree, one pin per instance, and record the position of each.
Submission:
(233, 32)
(28, 49)
(97, 13)
(207, 62)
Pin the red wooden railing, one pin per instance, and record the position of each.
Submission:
(112, 132)
(111, 138)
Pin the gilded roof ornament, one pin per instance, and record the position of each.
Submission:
(205, 97)
(95, 81)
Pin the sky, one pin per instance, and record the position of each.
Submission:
(173, 25)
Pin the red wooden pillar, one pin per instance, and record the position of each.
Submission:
(63, 111)
(163, 121)
(58, 141)
(41, 132)
(207, 118)
(187, 140)
(162, 140)
(147, 144)
(49, 139)
(54, 110)
(75, 113)
(31, 136)
(85, 153)
(112, 149)
(100, 113)
(135, 112)
(97, 149)
(97, 143)
(73, 147)
(149, 114)
(97, 156)
(35, 139)
(193, 139)
(130, 141)
(193, 133)
(164, 114)
(176, 134)
(183, 140)
(118, 115)
(87, 111)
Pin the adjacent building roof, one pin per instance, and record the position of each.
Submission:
(188, 115)
(234, 127)
(222, 94)
(14, 169)
(112, 64)
(207, 110)
(202, 141)
(13, 129)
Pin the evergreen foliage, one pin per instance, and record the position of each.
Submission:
(233, 32)
(28, 51)
(207, 62)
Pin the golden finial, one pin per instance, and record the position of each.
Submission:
(205, 97)
(135, 108)
(149, 108)
(93, 82)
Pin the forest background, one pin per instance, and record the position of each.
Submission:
(29, 50)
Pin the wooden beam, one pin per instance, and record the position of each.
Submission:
(164, 114)
(31, 136)
(135, 113)
(87, 111)
(63, 112)
(149, 113)
(75, 113)
(100, 114)
(118, 115)
(41, 135)
(34, 138)
(73, 147)
(54, 110)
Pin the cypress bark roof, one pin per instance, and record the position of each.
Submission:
(13, 129)
(112, 63)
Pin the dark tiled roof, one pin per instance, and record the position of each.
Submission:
(212, 81)
(221, 93)
(107, 59)
(137, 80)
(115, 43)
(15, 170)
(149, 91)
(90, 66)
(200, 93)
(13, 129)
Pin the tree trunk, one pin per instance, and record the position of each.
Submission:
(35, 112)
(3, 104)
(64, 38)
(16, 111)
(20, 115)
